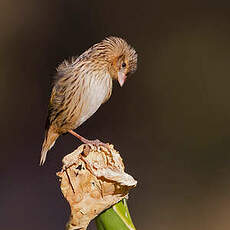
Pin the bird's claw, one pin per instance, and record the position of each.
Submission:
(97, 143)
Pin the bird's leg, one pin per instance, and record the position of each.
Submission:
(96, 142)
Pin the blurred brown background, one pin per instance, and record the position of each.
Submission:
(170, 121)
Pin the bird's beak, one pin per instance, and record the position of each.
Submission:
(121, 78)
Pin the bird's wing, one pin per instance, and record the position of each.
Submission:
(53, 108)
(65, 98)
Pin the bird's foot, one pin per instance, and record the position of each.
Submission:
(97, 143)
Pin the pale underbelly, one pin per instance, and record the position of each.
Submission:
(91, 104)
(96, 91)
(85, 115)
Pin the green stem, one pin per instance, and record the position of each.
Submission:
(115, 218)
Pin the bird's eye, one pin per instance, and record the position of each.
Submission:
(123, 65)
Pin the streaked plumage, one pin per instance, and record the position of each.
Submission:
(83, 84)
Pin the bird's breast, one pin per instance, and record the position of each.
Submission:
(97, 91)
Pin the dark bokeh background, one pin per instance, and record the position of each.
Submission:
(170, 121)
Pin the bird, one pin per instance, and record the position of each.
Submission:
(82, 84)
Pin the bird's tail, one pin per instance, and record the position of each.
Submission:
(49, 141)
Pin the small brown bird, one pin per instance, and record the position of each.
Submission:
(83, 84)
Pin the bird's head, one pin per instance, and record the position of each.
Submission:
(120, 57)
